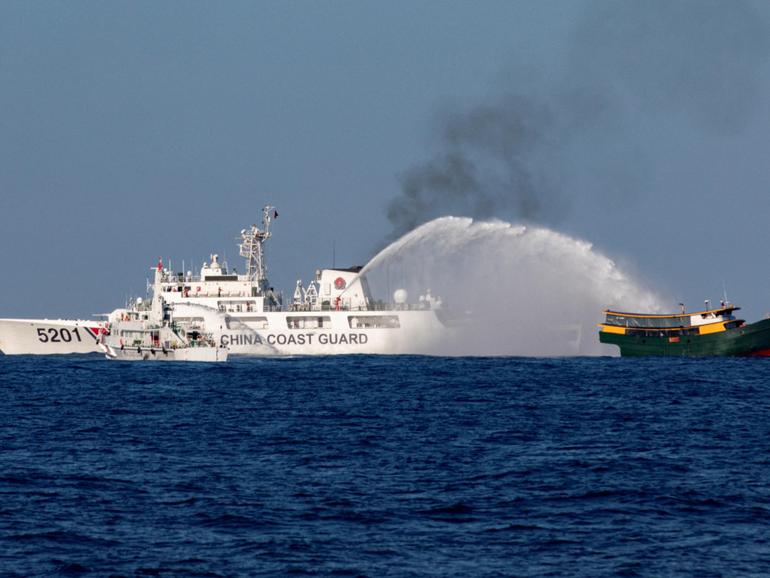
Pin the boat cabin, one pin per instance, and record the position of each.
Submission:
(673, 324)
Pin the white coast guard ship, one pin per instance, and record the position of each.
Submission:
(335, 313)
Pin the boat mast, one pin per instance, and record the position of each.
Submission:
(251, 249)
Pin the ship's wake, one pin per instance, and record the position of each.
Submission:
(512, 290)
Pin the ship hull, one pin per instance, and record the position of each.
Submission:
(269, 333)
(48, 337)
(749, 340)
(415, 333)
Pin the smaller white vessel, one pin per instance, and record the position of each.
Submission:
(145, 332)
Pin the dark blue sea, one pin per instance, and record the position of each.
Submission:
(385, 466)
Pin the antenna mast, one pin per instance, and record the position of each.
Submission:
(251, 248)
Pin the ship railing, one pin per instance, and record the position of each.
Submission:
(375, 306)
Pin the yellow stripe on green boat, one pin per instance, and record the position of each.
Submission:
(613, 329)
(711, 328)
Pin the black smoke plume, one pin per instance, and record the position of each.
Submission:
(627, 64)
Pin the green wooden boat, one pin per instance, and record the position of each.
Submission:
(704, 333)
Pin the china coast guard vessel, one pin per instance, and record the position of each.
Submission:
(711, 332)
(334, 313)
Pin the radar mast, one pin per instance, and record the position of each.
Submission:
(252, 250)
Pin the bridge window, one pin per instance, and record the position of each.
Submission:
(308, 321)
(247, 323)
(236, 306)
(651, 322)
(374, 321)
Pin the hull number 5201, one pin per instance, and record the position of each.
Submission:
(54, 335)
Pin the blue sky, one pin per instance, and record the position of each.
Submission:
(130, 130)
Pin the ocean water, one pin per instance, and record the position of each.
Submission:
(385, 466)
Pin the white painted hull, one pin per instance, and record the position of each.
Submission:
(417, 333)
(274, 332)
(48, 336)
(266, 333)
